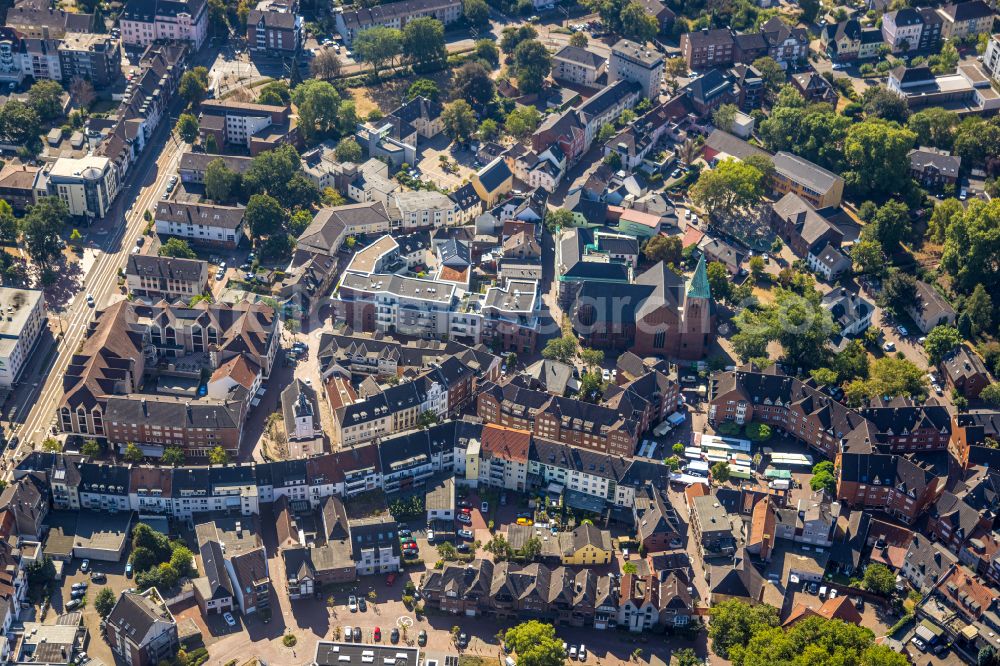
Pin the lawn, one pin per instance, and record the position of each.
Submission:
(363, 103)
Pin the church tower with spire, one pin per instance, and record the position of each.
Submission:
(697, 316)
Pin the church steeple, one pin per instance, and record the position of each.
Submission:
(698, 287)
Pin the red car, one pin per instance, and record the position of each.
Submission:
(465, 510)
(390, 579)
(377, 634)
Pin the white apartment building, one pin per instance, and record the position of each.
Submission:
(22, 318)
(421, 209)
(578, 65)
(637, 63)
(87, 184)
(394, 15)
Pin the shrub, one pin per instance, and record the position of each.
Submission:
(759, 432)
(289, 640)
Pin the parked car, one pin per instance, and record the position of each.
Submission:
(377, 635)
(230, 620)
(465, 534)
(73, 604)
(484, 507)
(572, 652)
(430, 536)
(582, 652)
(463, 640)
(77, 594)
(916, 640)
(889, 347)
(357, 634)
(390, 579)
(352, 603)
(422, 638)
(128, 570)
(463, 547)
(902, 331)
(348, 633)
(85, 566)
(79, 586)
(99, 576)
(464, 518)
(362, 604)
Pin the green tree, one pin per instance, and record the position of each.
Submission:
(41, 227)
(8, 223)
(426, 419)
(592, 358)
(424, 88)
(473, 83)
(91, 448)
(579, 40)
(535, 644)
(663, 248)
(972, 243)
(531, 549)
(326, 65)
(557, 219)
(218, 456)
(630, 568)
(193, 85)
(562, 348)
(934, 127)
(447, 551)
(181, 559)
(734, 623)
(718, 280)
(979, 308)
(105, 602)
(868, 257)
(378, 47)
(733, 185)
(879, 579)
(511, 37)
(756, 267)
(477, 12)
(45, 97)
(133, 453)
(940, 341)
(851, 362)
(898, 291)
(810, 9)
(637, 23)
(275, 93)
(459, 120)
(720, 472)
(532, 63)
(264, 216)
(991, 394)
(486, 51)
(221, 182)
(678, 449)
(20, 126)
(771, 73)
(488, 130)
(880, 102)
(876, 156)
(724, 116)
(797, 321)
(348, 150)
(889, 225)
(888, 376)
(825, 481)
(687, 656)
(319, 105)
(177, 247)
(522, 121)
(946, 59)
(173, 455)
(423, 43)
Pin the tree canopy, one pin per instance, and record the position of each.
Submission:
(731, 186)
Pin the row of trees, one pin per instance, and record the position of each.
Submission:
(420, 44)
(752, 636)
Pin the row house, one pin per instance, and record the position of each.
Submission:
(953, 522)
(563, 420)
(909, 30)
(508, 590)
(391, 410)
(850, 40)
(891, 483)
(350, 23)
(910, 427)
(649, 603)
(722, 47)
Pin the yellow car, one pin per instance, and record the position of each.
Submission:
(525, 521)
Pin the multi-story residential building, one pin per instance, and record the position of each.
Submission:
(805, 231)
(850, 40)
(578, 65)
(274, 26)
(421, 209)
(788, 45)
(964, 371)
(193, 165)
(637, 63)
(258, 127)
(141, 630)
(204, 224)
(504, 457)
(820, 187)
(94, 57)
(17, 183)
(930, 309)
(87, 184)
(395, 15)
(850, 312)
(40, 59)
(167, 278)
(934, 168)
(22, 320)
(392, 410)
(251, 580)
(563, 420)
(965, 19)
(902, 29)
(711, 527)
(43, 22)
(375, 545)
(926, 562)
(143, 22)
(648, 603)
(905, 426)
(704, 49)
